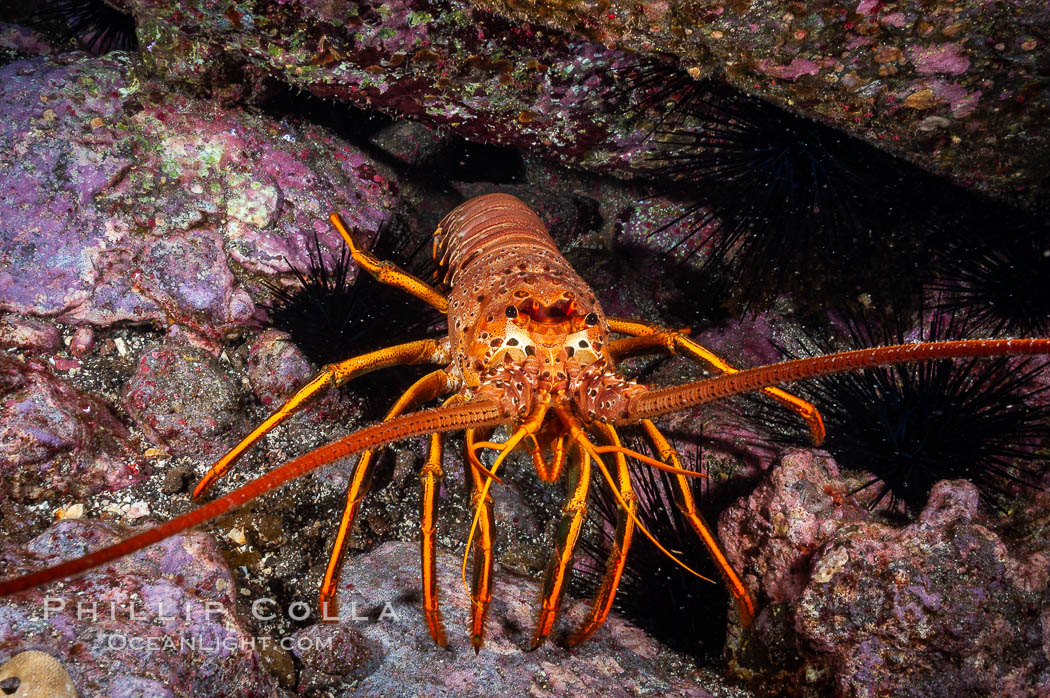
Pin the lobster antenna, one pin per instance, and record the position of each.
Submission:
(477, 413)
(642, 458)
(657, 402)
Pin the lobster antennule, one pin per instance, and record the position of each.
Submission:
(477, 413)
(657, 402)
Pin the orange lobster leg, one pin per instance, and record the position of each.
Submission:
(429, 481)
(388, 272)
(482, 479)
(603, 600)
(557, 457)
(687, 505)
(425, 351)
(647, 338)
(573, 515)
(481, 582)
(426, 388)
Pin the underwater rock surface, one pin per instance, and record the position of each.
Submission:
(393, 653)
(125, 202)
(183, 400)
(58, 441)
(942, 606)
(953, 86)
(277, 369)
(937, 608)
(119, 630)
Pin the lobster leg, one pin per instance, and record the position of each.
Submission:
(603, 600)
(687, 505)
(428, 480)
(425, 351)
(481, 582)
(426, 388)
(482, 479)
(647, 339)
(557, 459)
(388, 272)
(572, 517)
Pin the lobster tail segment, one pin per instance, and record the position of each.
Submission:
(487, 225)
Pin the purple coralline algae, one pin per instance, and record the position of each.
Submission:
(124, 203)
(56, 440)
(183, 400)
(939, 607)
(954, 87)
(277, 369)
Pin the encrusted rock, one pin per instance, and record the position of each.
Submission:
(772, 535)
(161, 617)
(82, 341)
(379, 598)
(30, 333)
(544, 76)
(931, 609)
(938, 607)
(182, 399)
(277, 369)
(128, 203)
(57, 440)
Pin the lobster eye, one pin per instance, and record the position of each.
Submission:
(591, 319)
(512, 312)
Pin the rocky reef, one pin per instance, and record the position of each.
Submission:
(957, 88)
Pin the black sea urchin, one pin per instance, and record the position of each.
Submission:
(331, 319)
(100, 26)
(994, 267)
(798, 205)
(913, 425)
(655, 86)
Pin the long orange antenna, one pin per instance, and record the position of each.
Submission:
(478, 413)
(657, 402)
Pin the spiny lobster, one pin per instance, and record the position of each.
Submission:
(528, 347)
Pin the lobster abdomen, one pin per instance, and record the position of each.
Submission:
(487, 225)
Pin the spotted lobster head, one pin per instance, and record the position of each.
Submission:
(526, 329)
